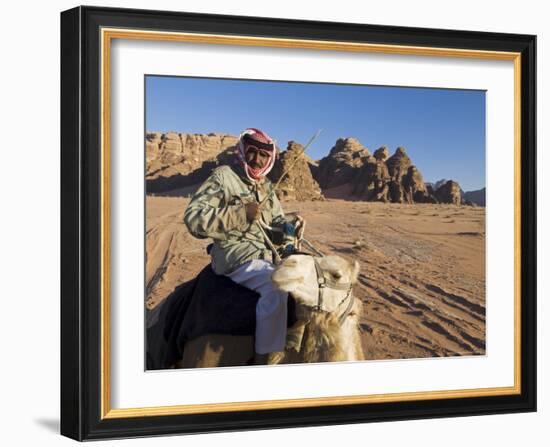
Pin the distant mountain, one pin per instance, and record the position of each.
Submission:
(477, 196)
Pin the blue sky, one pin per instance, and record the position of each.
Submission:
(443, 130)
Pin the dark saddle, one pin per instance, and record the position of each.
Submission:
(208, 304)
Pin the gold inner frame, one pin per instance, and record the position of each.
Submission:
(107, 35)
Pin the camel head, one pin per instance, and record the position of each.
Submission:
(297, 275)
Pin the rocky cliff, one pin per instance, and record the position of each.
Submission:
(176, 161)
(379, 177)
(449, 192)
(341, 164)
(391, 179)
(299, 183)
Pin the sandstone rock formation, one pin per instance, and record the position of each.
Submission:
(390, 179)
(398, 167)
(180, 160)
(299, 183)
(379, 177)
(175, 160)
(415, 190)
(435, 186)
(371, 183)
(382, 153)
(449, 193)
(340, 165)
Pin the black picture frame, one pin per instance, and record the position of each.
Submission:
(82, 395)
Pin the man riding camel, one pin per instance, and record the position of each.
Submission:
(227, 209)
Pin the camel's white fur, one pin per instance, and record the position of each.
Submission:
(325, 339)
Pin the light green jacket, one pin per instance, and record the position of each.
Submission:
(217, 211)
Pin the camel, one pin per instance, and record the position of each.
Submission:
(327, 327)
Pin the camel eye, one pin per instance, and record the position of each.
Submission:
(336, 275)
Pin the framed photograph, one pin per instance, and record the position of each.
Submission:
(277, 223)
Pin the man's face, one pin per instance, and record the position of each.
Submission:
(256, 158)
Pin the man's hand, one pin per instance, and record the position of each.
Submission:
(252, 211)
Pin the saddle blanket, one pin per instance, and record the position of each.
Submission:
(208, 304)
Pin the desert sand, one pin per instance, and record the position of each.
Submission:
(422, 280)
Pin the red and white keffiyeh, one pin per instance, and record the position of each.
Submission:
(259, 139)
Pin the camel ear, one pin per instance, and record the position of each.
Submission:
(355, 271)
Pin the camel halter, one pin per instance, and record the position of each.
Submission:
(324, 283)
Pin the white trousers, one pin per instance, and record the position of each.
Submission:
(271, 309)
